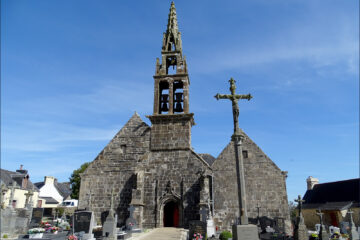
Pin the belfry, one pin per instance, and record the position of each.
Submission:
(156, 177)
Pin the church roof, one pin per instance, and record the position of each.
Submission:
(339, 193)
(208, 158)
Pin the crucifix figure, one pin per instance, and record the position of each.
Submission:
(234, 98)
(237, 138)
(299, 201)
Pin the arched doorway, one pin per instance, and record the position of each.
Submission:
(171, 214)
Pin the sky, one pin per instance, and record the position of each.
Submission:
(74, 72)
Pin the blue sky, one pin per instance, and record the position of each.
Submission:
(73, 73)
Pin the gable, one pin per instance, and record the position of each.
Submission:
(254, 154)
(127, 145)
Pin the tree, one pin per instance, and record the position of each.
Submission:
(75, 180)
(292, 209)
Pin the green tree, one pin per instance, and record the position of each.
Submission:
(75, 180)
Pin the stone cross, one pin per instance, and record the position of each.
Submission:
(299, 201)
(234, 98)
(111, 212)
(258, 212)
(4, 189)
(131, 210)
(203, 213)
(28, 200)
(350, 212)
(12, 194)
(320, 214)
(354, 235)
(237, 138)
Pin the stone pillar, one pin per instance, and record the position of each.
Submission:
(354, 235)
(4, 190)
(171, 97)
(156, 96)
(300, 231)
(186, 96)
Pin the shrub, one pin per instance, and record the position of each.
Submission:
(5, 236)
(225, 235)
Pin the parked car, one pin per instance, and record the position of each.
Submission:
(70, 203)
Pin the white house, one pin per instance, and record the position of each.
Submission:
(52, 193)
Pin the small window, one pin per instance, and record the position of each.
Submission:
(123, 148)
(245, 154)
(14, 203)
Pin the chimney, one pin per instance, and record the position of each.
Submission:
(21, 170)
(311, 182)
(49, 180)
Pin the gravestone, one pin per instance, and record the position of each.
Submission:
(210, 227)
(320, 228)
(265, 222)
(8, 221)
(36, 217)
(196, 226)
(300, 231)
(354, 235)
(131, 224)
(83, 224)
(109, 226)
(344, 227)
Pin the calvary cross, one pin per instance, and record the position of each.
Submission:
(299, 201)
(234, 98)
(237, 139)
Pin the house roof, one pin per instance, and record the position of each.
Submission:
(50, 200)
(8, 177)
(63, 188)
(333, 194)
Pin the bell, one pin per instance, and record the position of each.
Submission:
(164, 107)
(164, 97)
(178, 107)
(178, 97)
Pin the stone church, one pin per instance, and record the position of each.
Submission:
(155, 170)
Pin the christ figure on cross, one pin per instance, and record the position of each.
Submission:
(234, 98)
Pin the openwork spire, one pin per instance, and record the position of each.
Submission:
(172, 36)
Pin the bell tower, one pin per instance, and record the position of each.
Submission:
(171, 120)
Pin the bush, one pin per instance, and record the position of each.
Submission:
(5, 236)
(225, 235)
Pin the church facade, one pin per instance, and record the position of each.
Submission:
(154, 169)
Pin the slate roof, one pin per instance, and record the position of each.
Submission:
(63, 188)
(8, 177)
(50, 200)
(333, 195)
(207, 157)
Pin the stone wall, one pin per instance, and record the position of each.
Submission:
(170, 174)
(171, 131)
(115, 167)
(265, 185)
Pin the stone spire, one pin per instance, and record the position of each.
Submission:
(172, 36)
